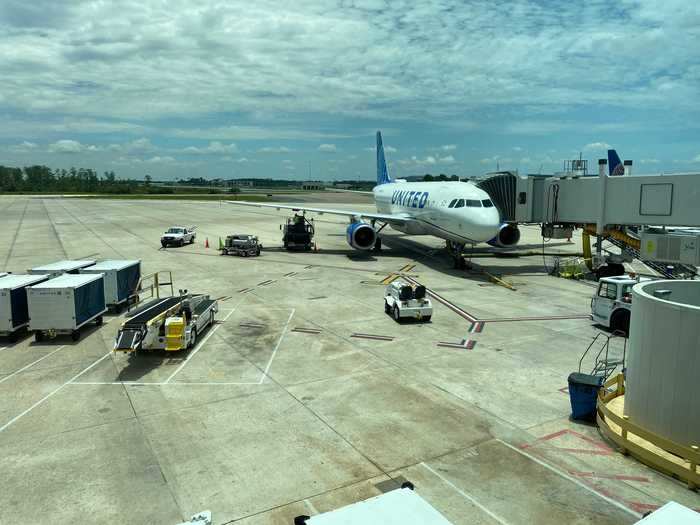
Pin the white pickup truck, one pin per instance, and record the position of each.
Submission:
(178, 236)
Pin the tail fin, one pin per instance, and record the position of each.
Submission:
(382, 174)
(615, 166)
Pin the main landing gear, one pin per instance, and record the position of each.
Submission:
(378, 241)
(455, 250)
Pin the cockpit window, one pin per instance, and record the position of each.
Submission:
(460, 204)
(452, 204)
(473, 203)
(487, 203)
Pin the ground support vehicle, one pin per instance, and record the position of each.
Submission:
(405, 301)
(298, 233)
(241, 244)
(169, 323)
(14, 314)
(611, 306)
(65, 304)
(178, 236)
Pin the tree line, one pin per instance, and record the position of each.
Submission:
(80, 180)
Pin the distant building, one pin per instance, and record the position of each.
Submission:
(313, 185)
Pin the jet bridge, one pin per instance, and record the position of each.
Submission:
(607, 206)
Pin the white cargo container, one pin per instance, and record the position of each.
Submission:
(60, 267)
(120, 277)
(14, 314)
(64, 304)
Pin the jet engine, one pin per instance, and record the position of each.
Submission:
(361, 236)
(508, 235)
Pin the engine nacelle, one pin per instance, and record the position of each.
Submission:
(508, 235)
(361, 236)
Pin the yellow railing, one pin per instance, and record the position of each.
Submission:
(656, 451)
(152, 283)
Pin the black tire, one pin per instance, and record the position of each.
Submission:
(396, 314)
(192, 240)
(164, 244)
(38, 336)
(13, 337)
(257, 252)
(75, 335)
(387, 308)
(211, 318)
(244, 254)
(181, 243)
(378, 245)
(426, 319)
(193, 339)
(98, 320)
(620, 322)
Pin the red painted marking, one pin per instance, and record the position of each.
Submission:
(601, 448)
(542, 318)
(564, 390)
(620, 477)
(372, 336)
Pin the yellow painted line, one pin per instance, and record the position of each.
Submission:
(389, 279)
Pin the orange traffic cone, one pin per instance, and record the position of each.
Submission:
(206, 242)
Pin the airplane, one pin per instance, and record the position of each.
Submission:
(458, 212)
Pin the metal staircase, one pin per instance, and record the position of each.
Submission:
(605, 363)
(685, 271)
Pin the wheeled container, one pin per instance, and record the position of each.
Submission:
(121, 279)
(60, 267)
(65, 304)
(14, 314)
(298, 233)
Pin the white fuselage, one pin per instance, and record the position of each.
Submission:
(456, 211)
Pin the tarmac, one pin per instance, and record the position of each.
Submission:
(305, 396)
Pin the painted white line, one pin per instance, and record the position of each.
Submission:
(277, 346)
(573, 480)
(47, 396)
(201, 343)
(3, 348)
(311, 506)
(466, 496)
(31, 364)
(137, 383)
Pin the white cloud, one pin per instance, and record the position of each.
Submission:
(696, 158)
(517, 148)
(448, 147)
(596, 146)
(328, 148)
(656, 161)
(71, 146)
(24, 147)
(272, 149)
(160, 160)
(429, 160)
(214, 148)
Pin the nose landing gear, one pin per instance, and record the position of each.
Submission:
(455, 250)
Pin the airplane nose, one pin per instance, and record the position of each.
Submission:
(488, 225)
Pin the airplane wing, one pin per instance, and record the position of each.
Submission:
(383, 217)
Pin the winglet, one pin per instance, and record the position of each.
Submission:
(615, 166)
(382, 174)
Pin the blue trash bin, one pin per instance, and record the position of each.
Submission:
(583, 393)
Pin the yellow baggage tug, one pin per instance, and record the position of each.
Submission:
(169, 323)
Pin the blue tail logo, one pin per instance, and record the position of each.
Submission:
(615, 166)
(382, 174)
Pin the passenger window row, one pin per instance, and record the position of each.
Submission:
(470, 203)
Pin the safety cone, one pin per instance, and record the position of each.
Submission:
(206, 242)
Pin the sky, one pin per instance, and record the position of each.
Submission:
(230, 89)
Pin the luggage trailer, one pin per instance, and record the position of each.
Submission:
(169, 323)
